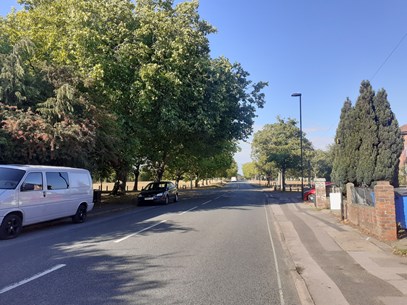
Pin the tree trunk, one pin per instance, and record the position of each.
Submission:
(197, 181)
(136, 176)
(283, 178)
(160, 173)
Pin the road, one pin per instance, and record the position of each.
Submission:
(212, 247)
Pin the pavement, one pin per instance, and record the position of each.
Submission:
(333, 263)
(337, 264)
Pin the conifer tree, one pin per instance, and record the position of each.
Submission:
(365, 120)
(390, 141)
(341, 163)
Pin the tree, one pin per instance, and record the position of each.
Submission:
(249, 170)
(366, 129)
(107, 83)
(368, 141)
(390, 141)
(321, 164)
(344, 158)
(232, 170)
(279, 143)
(186, 99)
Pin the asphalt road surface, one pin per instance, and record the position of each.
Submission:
(212, 247)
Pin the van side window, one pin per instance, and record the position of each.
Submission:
(57, 180)
(33, 182)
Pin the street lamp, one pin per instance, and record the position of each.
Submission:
(302, 167)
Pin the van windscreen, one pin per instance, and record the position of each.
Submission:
(10, 177)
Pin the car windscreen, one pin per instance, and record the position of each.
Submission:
(10, 177)
(155, 187)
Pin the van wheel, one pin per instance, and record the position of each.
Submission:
(80, 215)
(10, 227)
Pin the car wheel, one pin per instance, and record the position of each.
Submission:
(80, 215)
(10, 227)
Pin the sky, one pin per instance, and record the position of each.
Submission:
(320, 48)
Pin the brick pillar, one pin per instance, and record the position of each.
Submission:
(385, 211)
(320, 194)
(350, 188)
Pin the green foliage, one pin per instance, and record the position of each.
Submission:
(321, 163)
(107, 83)
(232, 170)
(279, 144)
(366, 127)
(345, 149)
(390, 141)
(249, 170)
(368, 140)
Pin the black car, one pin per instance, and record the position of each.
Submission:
(160, 192)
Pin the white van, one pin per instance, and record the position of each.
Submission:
(31, 194)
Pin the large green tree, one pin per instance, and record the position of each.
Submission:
(279, 143)
(249, 170)
(368, 140)
(390, 141)
(366, 130)
(107, 83)
(345, 160)
(186, 100)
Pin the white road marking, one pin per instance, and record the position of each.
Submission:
(134, 234)
(191, 209)
(145, 229)
(206, 202)
(280, 287)
(8, 288)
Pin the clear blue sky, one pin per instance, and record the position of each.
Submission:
(321, 48)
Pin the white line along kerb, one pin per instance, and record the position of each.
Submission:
(8, 288)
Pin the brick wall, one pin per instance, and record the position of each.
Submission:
(379, 220)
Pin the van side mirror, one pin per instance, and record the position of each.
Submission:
(27, 187)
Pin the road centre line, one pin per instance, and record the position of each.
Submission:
(38, 275)
(145, 229)
(138, 232)
(191, 209)
(206, 202)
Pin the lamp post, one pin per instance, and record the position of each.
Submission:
(302, 167)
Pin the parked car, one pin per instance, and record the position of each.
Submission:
(310, 194)
(159, 192)
(31, 194)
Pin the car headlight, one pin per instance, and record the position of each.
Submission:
(159, 195)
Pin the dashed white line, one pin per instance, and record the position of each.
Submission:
(8, 288)
(136, 233)
(191, 209)
(145, 229)
(206, 202)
